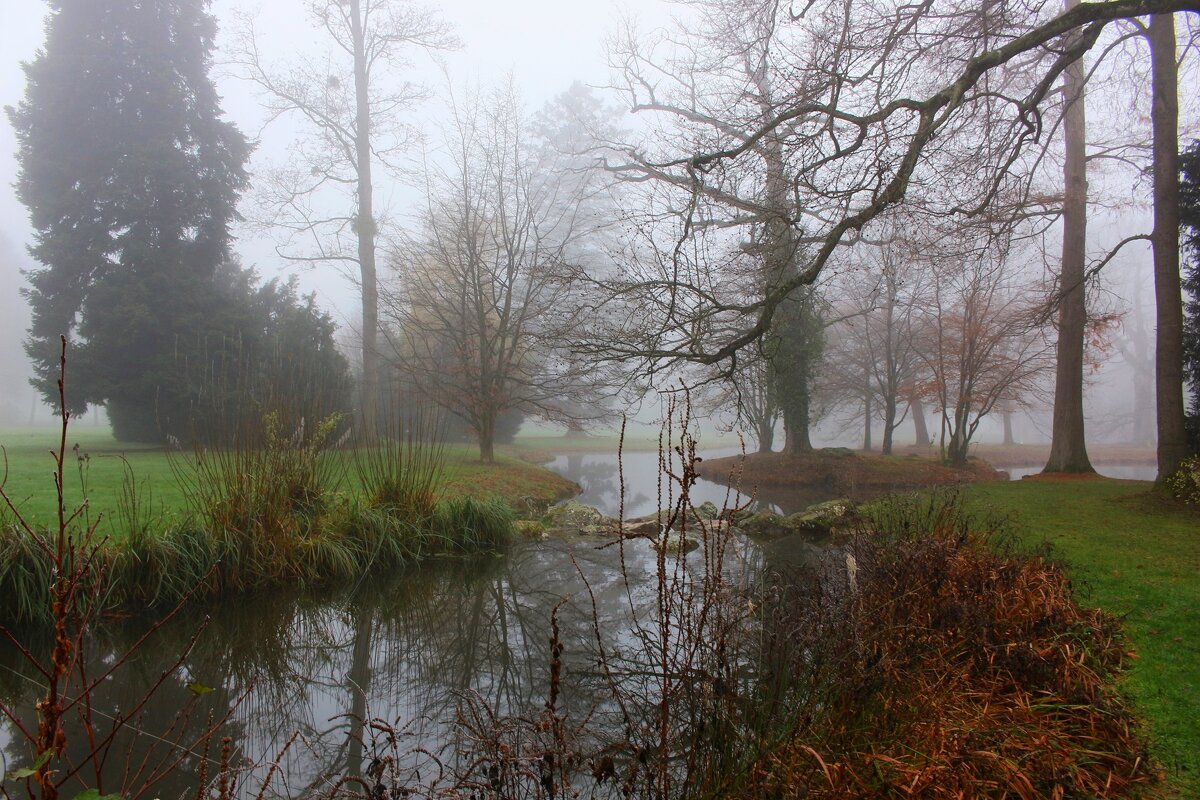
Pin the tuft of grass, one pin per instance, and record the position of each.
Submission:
(405, 469)
(468, 524)
(26, 575)
(162, 567)
(1135, 553)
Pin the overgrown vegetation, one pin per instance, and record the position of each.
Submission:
(1133, 552)
(270, 508)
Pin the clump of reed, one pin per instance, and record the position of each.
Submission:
(403, 515)
(403, 469)
(263, 496)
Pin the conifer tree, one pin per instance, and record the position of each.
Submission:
(131, 178)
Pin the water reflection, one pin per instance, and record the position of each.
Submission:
(405, 650)
(597, 474)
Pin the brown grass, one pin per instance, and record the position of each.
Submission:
(964, 673)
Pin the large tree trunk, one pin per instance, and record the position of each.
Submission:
(487, 437)
(365, 230)
(1068, 451)
(1168, 356)
(1008, 428)
(766, 435)
(794, 411)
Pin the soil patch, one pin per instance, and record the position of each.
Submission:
(843, 471)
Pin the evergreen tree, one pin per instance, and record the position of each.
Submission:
(1189, 219)
(131, 179)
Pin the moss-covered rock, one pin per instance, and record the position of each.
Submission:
(765, 524)
(822, 517)
(572, 515)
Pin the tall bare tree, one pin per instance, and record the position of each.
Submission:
(1168, 359)
(1068, 449)
(354, 103)
(485, 303)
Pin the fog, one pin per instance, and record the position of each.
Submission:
(542, 48)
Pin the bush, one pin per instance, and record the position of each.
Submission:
(1185, 484)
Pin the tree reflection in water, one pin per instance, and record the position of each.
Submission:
(405, 650)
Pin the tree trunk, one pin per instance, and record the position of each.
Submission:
(796, 440)
(917, 408)
(365, 231)
(766, 435)
(575, 430)
(889, 424)
(866, 423)
(1168, 356)
(487, 438)
(1068, 450)
(1008, 428)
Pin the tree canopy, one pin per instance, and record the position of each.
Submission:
(131, 178)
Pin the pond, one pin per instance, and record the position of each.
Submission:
(409, 651)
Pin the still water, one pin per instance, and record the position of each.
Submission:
(409, 650)
(1130, 472)
(598, 474)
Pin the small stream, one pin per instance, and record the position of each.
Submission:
(597, 474)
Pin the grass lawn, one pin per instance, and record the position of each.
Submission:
(101, 463)
(1136, 555)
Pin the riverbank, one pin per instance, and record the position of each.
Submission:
(98, 468)
(1135, 554)
(156, 528)
(842, 472)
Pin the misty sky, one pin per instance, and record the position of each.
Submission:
(545, 44)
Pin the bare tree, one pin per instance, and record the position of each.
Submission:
(354, 105)
(867, 122)
(881, 327)
(485, 302)
(1168, 363)
(985, 349)
(748, 395)
(1068, 449)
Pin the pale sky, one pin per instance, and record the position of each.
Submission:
(545, 44)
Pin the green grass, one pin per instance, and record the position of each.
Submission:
(31, 468)
(1136, 555)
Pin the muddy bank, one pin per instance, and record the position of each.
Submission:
(843, 472)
